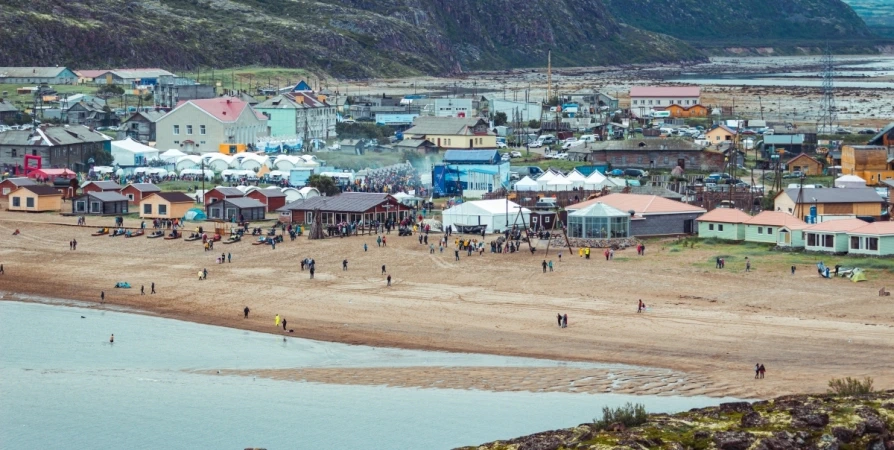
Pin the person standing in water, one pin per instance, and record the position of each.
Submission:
(112, 339)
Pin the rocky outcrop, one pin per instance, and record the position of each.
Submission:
(787, 423)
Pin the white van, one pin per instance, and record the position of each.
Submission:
(588, 138)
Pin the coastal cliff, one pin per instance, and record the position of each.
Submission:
(786, 423)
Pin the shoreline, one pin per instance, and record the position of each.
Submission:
(706, 327)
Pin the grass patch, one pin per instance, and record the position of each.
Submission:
(629, 415)
(848, 386)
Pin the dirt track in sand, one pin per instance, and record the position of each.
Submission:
(703, 334)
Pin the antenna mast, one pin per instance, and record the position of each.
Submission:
(828, 112)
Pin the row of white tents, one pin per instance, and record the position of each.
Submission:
(553, 181)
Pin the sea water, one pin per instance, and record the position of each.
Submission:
(63, 385)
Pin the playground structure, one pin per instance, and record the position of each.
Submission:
(31, 164)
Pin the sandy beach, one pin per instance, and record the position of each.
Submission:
(704, 330)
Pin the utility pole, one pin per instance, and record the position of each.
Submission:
(549, 75)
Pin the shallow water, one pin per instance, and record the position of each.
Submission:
(62, 385)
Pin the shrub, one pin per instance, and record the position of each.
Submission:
(629, 415)
(850, 386)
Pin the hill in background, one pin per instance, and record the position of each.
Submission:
(878, 15)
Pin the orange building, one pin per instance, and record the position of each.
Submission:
(680, 111)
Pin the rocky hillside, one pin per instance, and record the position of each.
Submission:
(364, 38)
(787, 423)
(878, 14)
(345, 38)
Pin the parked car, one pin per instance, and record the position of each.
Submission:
(571, 139)
(515, 154)
(588, 138)
(502, 145)
(617, 172)
(795, 174)
(843, 131)
(535, 144)
(547, 139)
(638, 173)
(562, 155)
(505, 157)
(867, 131)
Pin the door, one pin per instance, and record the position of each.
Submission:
(681, 162)
(688, 226)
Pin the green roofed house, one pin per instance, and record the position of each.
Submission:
(875, 239)
(723, 223)
(830, 236)
(773, 227)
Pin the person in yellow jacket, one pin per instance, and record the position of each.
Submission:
(580, 252)
(277, 320)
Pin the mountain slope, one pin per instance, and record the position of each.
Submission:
(878, 15)
(347, 38)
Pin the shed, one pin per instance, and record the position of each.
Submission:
(723, 223)
(600, 221)
(273, 198)
(496, 214)
(236, 208)
(101, 186)
(830, 236)
(135, 192)
(805, 164)
(99, 203)
(165, 205)
(35, 198)
(220, 193)
(10, 184)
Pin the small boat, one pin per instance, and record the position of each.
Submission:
(135, 234)
(469, 229)
(101, 232)
(156, 235)
(173, 235)
(232, 239)
(117, 232)
(193, 237)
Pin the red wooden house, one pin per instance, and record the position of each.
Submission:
(136, 192)
(219, 193)
(10, 184)
(273, 198)
(101, 186)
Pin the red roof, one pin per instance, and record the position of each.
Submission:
(875, 228)
(90, 73)
(641, 204)
(680, 91)
(778, 219)
(52, 173)
(837, 226)
(224, 109)
(724, 215)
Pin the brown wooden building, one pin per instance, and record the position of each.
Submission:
(273, 198)
(346, 207)
(10, 184)
(805, 164)
(101, 186)
(221, 193)
(136, 192)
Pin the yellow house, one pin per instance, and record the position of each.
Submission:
(843, 203)
(38, 198)
(454, 133)
(869, 162)
(231, 149)
(720, 134)
(165, 205)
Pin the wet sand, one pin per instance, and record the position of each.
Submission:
(702, 335)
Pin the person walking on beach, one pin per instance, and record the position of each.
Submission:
(565, 321)
(544, 266)
(142, 289)
(312, 272)
(717, 265)
(102, 297)
(204, 273)
(229, 257)
(389, 279)
(74, 244)
(384, 242)
(383, 269)
(344, 265)
(112, 339)
(456, 255)
(245, 312)
(559, 319)
(364, 246)
(639, 308)
(761, 371)
(606, 254)
(757, 370)
(1, 269)
(747, 264)
(284, 324)
(379, 240)
(550, 265)
(153, 288)
(793, 270)
(276, 320)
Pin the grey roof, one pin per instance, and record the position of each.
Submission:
(145, 187)
(151, 116)
(471, 156)
(19, 137)
(638, 144)
(175, 197)
(443, 125)
(74, 134)
(346, 202)
(106, 185)
(42, 189)
(6, 107)
(782, 139)
(878, 139)
(656, 190)
(414, 143)
(230, 192)
(278, 102)
(840, 195)
(107, 196)
(270, 192)
(21, 181)
(31, 72)
(243, 202)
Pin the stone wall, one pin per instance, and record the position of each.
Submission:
(615, 243)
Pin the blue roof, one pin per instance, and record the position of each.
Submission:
(471, 156)
(302, 86)
(782, 139)
(484, 171)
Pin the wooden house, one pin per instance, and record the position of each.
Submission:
(10, 184)
(869, 162)
(35, 198)
(773, 227)
(240, 209)
(136, 192)
(346, 207)
(220, 193)
(843, 203)
(99, 203)
(875, 239)
(273, 198)
(101, 186)
(165, 205)
(680, 111)
(805, 164)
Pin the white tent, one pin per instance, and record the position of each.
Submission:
(492, 213)
(559, 184)
(197, 172)
(850, 181)
(292, 194)
(103, 169)
(309, 192)
(596, 180)
(157, 172)
(129, 152)
(218, 162)
(188, 162)
(577, 179)
(171, 155)
(527, 184)
(253, 162)
(236, 173)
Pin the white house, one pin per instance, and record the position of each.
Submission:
(646, 98)
(202, 125)
(129, 153)
(453, 107)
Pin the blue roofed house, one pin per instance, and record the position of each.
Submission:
(470, 173)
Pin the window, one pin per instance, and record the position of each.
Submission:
(29, 202)
(650, 102)
(130, 197)
(760, 230)
(202, 130)
(17, 201)
(720, 227)
(176, 142)
(828, 241)
(811, 240)
(202, 142)
(871, 243)
(189, 129)
(13, 153)
(33, 152)
(147, 208)
(710, 227)
(162, 209)
(687, 102)
(855, 243)
(769, 230)
(176, 130)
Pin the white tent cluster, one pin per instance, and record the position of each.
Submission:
(554, 181)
